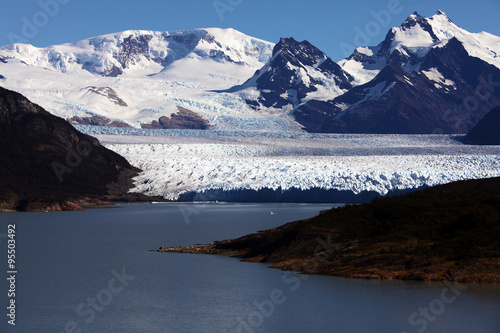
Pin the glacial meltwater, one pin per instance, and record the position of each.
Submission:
(92, 271)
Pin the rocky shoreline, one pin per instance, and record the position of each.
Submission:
(472, 272)
(80, 204)
(199, 249)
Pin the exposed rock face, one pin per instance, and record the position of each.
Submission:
(45, 159)
(183, 119)
(132, 47)
(295, 70)
(107, 92)
(427, 76)
(487, 131)
(97, 121)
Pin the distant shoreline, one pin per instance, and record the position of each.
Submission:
(302, 266)
(106, 201)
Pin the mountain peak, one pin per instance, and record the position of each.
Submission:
(287, 40)
(412, 40)
(284, 43)
(413, 20)
(415, 17)
(292, 44)
(297, 71)
(299, 53)
(441, 16)
(431, 58)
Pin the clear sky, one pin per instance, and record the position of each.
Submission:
(334, 26)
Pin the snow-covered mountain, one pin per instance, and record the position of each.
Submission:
(141, 53)
(297, 72)
(427, 76)
(408, 44)
(137, 76)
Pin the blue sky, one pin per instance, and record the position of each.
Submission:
(333, 26)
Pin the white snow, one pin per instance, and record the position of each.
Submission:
(434, 75)
(244, 149)
(407, 79)
(481, 45)
(365, 50)
(363, 72)
(415, 39)
(327, 88)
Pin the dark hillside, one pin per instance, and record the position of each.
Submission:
(44, 161)
(449, 232)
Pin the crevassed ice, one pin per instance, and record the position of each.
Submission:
(344, 162)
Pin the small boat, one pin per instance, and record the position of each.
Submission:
(271, 213)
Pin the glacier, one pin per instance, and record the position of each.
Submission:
(182, 162)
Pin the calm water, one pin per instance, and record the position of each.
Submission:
(91, 271)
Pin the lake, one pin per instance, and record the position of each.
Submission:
(92, 271)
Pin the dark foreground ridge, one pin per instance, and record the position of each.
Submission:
(45, 164)
(448, 232)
